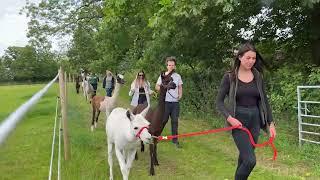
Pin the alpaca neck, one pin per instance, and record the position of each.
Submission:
(156, 123)
(162, 96)
(112, 100)
(116, 92)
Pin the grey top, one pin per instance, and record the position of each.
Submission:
(172, 95)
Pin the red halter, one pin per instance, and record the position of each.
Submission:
(140, 131)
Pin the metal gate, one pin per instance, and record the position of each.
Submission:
(304, 112)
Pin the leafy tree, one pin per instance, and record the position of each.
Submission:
(53, 18)
(26, 64)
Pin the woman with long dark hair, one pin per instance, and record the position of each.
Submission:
(140, 90)
(248, 105)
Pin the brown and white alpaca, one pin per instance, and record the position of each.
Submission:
(104, 103)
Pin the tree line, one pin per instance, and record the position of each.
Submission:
(126, 35)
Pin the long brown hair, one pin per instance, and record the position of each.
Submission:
(248, 46)
(144, 77)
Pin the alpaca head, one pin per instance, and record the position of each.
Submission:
(167, 81)
(139, 126)
(120, 78)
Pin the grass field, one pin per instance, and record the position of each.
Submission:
(26, 153)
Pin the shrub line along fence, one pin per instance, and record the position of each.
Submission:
(9, 124)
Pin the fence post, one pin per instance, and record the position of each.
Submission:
(62, 87)
(66, 89)
(65, 76)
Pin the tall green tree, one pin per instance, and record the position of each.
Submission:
(54, 18)
(26, 64)
(83, 49)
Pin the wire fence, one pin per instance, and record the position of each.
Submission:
(9, 124)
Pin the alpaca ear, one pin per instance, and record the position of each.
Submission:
(129, 115)
(145, 111)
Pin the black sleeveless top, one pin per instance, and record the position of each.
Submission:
(247, 94)
(142, 96)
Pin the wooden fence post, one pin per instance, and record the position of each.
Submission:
(63, 100)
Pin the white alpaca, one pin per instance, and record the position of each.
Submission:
(104, 103)
(86, 86)
(87, 89)
(125, 131)
(83, 77)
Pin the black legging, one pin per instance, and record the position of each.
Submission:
(250, 118)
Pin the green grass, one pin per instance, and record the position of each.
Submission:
(26, 153)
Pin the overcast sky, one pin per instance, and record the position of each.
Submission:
(13, 27)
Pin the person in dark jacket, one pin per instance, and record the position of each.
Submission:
(78, 80)
(248, 105)
(108, 83)
(93, 80)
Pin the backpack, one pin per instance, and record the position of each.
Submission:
(93, 80)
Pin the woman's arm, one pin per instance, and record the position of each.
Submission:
(149, 88)
(272, 128)
(223, 91)
(269, 112)
(132, 89)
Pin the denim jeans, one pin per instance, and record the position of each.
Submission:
(171, 109)
(109, 92)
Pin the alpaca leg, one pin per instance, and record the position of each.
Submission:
(122, 163)
(85, 93)
(136, 156)
(93, 118)
(155, 154)
(82, 87)
(151, 149)
(110, 161)
(130, 158)
(96, 122)
(142, 147)
(87, 96)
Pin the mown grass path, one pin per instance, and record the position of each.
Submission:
(26, 154)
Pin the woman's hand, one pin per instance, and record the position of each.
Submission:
(272, 130)
(131, 92)
(234, 121)
(155, 95)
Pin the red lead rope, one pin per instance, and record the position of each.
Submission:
(269, 142)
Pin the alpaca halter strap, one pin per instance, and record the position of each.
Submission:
(140, 131)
